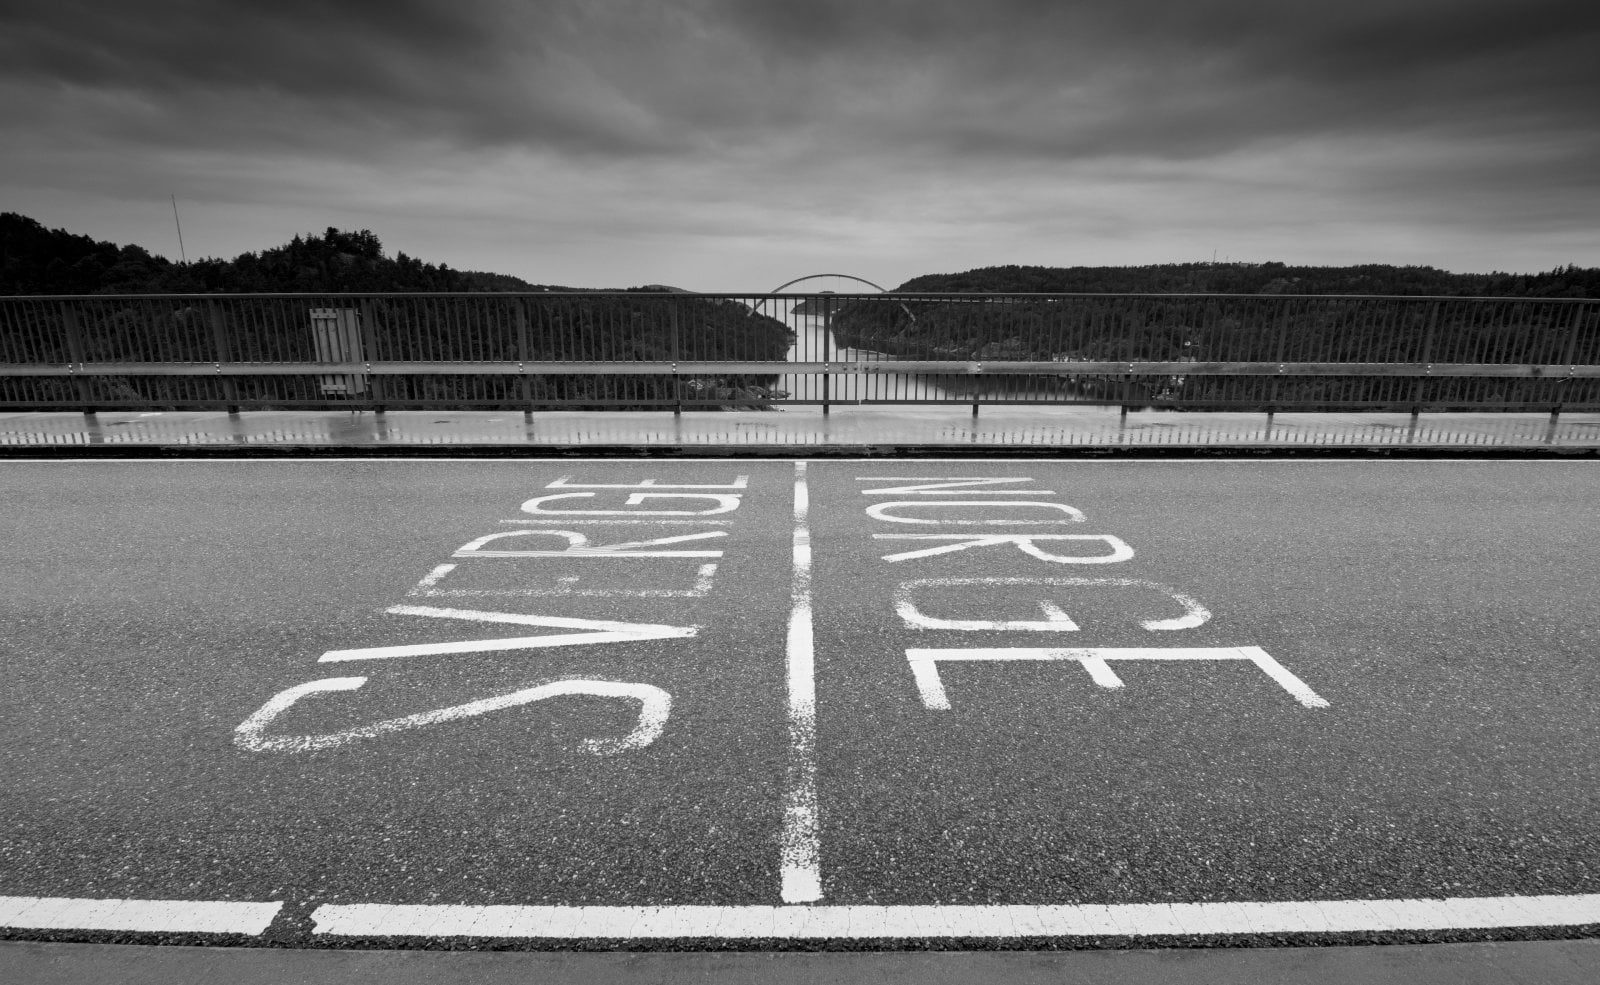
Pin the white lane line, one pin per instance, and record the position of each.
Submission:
(883, 922)
(173, 916)
(781, 459)
(802, 876)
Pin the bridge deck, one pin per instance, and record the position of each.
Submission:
(1030, 429)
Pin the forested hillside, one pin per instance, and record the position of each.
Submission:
(1261, 278)
(553, 324)
(1196, 312)
(36, 260)
(1231, 313)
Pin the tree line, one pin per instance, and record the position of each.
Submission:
(554, 324)
(1194, 312)
(35, 260)
(1569, 281)
(1272, 313)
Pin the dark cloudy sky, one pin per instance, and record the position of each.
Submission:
(720, 145)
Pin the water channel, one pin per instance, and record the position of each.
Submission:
(812, 344)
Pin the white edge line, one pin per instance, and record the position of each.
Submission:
(1120, 460)
(886, 922)
(154, 916)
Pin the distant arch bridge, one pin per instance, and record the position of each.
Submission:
(798, 280)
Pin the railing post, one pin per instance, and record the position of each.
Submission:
(524, 356)
(77, 353)
(376, 385)
(1427, 355)
(677, 352)
(977, 389)
(1283, 338)
(219, 339)
(827, 347)
(1569, 358)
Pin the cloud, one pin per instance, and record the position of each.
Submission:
(1047, 79)
(1007, 131)
(467, 72)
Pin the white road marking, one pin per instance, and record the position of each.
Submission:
(801, 849)
(655, 705)
(595, 631)
(880, 511)
(925, 665)
(1286, 680)
(1103, 462)
(1194, 614)
(425, 588)
(563, 482)
(1120, 551)
(726, 503)
(948, 486)
(432, 578)
(570, 519)
(578, 546)
(894, 922)
(1055, 620)
(150, 915)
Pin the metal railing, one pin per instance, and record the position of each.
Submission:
(658, 349)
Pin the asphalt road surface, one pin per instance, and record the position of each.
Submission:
(570, 703)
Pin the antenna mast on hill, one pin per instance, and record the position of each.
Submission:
(175, 222)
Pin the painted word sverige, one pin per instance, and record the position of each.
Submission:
(545, 540)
